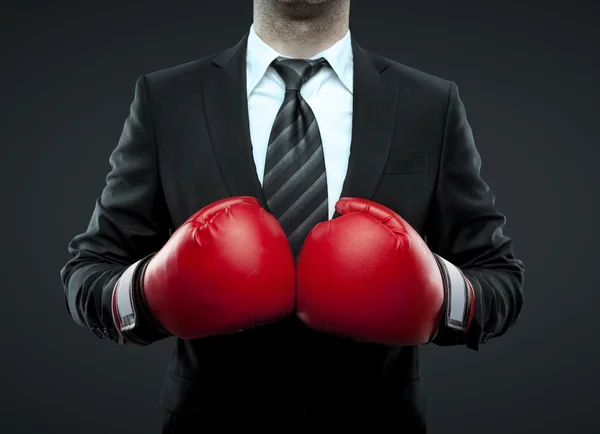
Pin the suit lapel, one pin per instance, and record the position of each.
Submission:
(375, 106)
(226, 107)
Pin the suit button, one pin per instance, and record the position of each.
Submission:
(112, 334)
(486, 337)
(99, 332)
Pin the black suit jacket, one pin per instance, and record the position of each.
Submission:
(186, 143)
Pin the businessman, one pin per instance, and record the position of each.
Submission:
(300, 215)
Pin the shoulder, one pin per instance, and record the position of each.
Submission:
(413, 80)
(182, 74)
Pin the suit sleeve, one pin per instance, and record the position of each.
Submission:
(129, 222)
(465, 229)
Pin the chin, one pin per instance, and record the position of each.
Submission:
(300, 3)
(304, 10)
(304, 2)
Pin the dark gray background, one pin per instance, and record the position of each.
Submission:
(528, 75)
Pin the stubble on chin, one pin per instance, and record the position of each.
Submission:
(302, 10)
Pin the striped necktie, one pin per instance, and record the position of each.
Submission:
(295, 182)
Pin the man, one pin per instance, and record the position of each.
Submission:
(301, 214)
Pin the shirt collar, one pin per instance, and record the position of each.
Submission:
(259, 57)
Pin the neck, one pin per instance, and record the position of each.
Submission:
(301, 29)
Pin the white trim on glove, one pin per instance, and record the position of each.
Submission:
(459, 297)
(124, 312)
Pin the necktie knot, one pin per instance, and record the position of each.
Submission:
(296, 72)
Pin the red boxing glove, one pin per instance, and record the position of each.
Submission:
(229, 267)
(368, 275)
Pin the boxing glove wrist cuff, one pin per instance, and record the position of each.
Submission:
(459, 297)
(134, 321)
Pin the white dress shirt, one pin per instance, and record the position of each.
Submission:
(328, 93)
